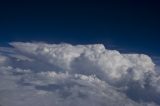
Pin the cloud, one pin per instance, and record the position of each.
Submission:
(40, 74)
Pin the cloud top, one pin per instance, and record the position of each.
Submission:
(76, 75)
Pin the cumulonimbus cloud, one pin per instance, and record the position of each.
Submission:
(40, 74)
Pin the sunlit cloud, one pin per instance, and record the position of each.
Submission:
(41, 74)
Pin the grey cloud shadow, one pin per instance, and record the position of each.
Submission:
(146, 94)
(64, 93)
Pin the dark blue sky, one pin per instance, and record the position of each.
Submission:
(132, 25)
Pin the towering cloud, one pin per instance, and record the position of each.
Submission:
(40, 74)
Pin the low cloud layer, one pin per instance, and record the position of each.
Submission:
(40, 74)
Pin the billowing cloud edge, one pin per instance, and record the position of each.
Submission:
(39, 74)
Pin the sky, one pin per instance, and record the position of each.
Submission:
(129, 26)
(79, 53)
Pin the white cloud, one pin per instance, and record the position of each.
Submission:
(40, 74)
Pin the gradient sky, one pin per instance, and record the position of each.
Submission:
(130, 26)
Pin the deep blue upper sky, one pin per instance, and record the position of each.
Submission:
(132, 25)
